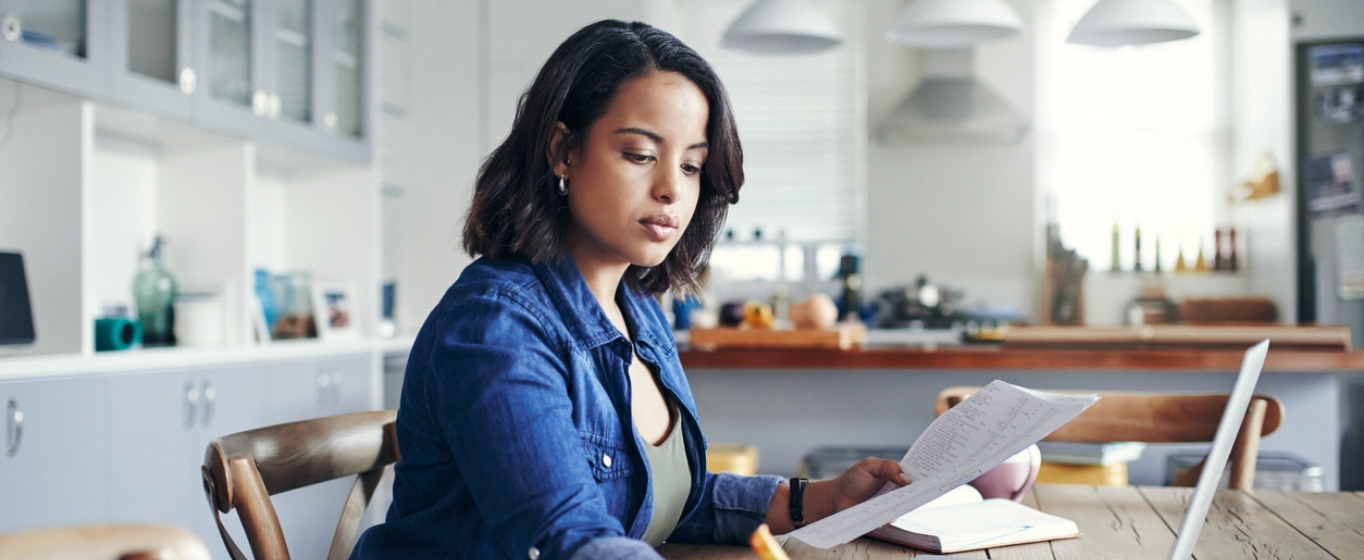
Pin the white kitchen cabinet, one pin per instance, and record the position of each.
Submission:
(54, 43)
(159, 426)
(298, 390)
(53, 455)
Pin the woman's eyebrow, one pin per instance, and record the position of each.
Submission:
(655, 137)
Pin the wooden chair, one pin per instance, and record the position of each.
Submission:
(243, 470)
(1163, 418)
(104, 542)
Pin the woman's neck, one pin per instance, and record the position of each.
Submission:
(602, 273)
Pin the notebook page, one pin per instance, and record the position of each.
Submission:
(967, 440)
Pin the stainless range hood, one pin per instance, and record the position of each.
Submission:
(951, 107)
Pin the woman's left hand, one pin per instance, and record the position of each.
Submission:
(823, 498)
(862, 480)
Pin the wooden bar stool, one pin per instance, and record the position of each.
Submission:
(1162, 418)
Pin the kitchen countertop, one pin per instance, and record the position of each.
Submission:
(994, 357)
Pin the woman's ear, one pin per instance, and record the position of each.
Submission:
(556, 140)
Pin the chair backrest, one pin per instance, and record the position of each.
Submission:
(104, 542)
(1162, 418)
(242, 470)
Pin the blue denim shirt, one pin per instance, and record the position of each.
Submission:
(516, 434)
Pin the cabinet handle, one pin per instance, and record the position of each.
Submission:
(11, 28)
(15, 433)
(210, 402)
(260, 103)
(324, 388)
(191, 404)
(189, 81)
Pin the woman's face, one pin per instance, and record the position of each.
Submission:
(634, 182)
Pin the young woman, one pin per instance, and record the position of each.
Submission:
(544, 412)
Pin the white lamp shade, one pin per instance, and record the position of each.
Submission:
(1116, 23)
(782, 27)
(950, 24)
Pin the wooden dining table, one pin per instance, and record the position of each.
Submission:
(1140, 523)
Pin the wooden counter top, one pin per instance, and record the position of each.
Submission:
(995, 357)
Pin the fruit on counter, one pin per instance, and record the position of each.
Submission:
(758, 315)
(818, 312)
(732, 314)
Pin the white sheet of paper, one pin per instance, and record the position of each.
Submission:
(967, 440)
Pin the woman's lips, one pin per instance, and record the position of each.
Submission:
(660, 227)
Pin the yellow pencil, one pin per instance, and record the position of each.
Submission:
(766, 546)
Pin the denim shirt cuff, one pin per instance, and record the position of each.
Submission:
(616, 548)
(740, 504)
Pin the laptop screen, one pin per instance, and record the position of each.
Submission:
(1227, 429)
(16, 317)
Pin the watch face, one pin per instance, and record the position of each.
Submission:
(16, 318)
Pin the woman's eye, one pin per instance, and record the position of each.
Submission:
(690, 169)
(637, 158)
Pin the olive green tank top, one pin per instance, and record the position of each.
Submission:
(671, 478)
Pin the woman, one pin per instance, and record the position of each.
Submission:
(544, 413)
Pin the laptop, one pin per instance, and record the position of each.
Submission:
(1211, 476)
(1208, 480)
(16, 316)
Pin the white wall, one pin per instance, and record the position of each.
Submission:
(961, 214)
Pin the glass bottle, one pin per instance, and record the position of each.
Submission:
(154, 292)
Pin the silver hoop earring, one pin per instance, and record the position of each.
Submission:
(563, 185)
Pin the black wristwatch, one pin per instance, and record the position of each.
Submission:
(797, 502)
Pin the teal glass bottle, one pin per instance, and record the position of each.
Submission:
(154, 291)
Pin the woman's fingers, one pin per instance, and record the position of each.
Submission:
(886, 469)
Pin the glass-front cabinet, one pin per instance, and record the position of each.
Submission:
(56, 43)
(231, 47)
(293, 60)
(294, 72)
(151, 50)
(346, 115)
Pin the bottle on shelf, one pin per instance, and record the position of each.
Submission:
(154, 291)
(852, 288)
(1180, 264)
(1219, 259)
(1231, 250)
(1157, 268)
(1136, 255)
(1115, 267)
(1200, 265)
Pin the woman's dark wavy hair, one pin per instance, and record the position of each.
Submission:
(517, 209)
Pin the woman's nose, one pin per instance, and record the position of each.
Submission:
(668, 186)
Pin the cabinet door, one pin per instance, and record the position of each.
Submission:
(305, 389)
(152, 64)
(159, 426)
(231, 91)
(53, 457)
(345, 78)
(57, 43)
(293, 70)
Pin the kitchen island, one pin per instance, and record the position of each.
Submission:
(787, 402)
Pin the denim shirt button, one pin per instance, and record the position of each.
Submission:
(534, 553)
(606, 461)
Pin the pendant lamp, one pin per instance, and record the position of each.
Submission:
(776, 27)
(1117, 23)
(951, 106)
(951, 24)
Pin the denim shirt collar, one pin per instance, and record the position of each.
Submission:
(585, 317)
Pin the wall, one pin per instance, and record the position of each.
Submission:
(434, 151)
(962, 214)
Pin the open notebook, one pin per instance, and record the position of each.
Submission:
(960, 520)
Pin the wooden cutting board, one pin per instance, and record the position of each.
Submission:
(841, 337)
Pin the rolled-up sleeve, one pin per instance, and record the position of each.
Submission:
(729, 509)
